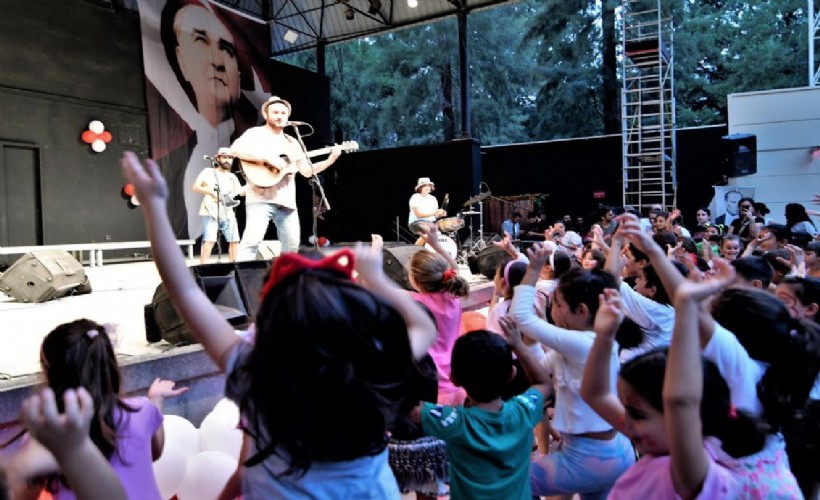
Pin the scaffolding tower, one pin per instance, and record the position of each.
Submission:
(814, 41)
(647, 105)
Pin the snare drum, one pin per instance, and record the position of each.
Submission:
(450, 224)
(447, 243)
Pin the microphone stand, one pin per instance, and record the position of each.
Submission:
(316, 184)
(215, 166)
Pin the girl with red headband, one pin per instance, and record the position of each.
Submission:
(326, 349)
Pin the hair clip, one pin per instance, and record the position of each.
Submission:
(449, 274)
(92, 334)
(342, 261)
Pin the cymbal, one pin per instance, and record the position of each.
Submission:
(476, 199)
(471, 213)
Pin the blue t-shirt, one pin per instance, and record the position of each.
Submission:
(489, 451)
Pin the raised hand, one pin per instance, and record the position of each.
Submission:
(512, 333)
(149, 185)
(60, 433)
(610, 313)
(697, 289)
(629, 227)
(162, 389)
(538, 254)
(376, 242)
(369, 262)
(429, 232)
(506, 244)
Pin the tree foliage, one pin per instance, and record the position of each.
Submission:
(546, 69)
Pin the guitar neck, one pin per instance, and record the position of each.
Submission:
(318, 152)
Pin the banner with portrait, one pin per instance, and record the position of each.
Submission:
(207, 73)
(725, 204)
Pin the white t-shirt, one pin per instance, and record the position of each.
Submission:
(656, 321)
(741, 372)
(427, 204)
(229, 185)
(572, 414)
(262, 142)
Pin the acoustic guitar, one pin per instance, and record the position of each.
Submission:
(261, 173)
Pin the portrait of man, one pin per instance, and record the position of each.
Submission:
(726, 200)
(206, 72)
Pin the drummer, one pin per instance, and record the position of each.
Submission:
(423, 207)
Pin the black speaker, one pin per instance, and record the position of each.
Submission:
(44, 275)
(234, 288)
(487, 261)
(740, 155)
(396, 258)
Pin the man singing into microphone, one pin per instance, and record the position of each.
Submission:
(220, 186)
(266, 145)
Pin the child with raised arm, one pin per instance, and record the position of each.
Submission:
(325, 347)
(667, 403)
(66, 436)
(592, 455)
(127, 430)
(489, 443)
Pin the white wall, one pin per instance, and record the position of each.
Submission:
(787, 124)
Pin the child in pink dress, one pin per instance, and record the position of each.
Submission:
(668, 402)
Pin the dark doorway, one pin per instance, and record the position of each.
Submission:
(21, 214)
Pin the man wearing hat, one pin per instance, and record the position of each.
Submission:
(219, 187)
(267, 143)
(423, 206)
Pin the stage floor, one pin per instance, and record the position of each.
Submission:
(120, 292)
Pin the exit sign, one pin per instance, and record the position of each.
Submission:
(599, 195)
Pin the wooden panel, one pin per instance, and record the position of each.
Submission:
(783, 135)
(773, 106)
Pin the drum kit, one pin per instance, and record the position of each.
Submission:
(449, 227)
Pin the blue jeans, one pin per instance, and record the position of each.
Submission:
(257, 218)
(583, 465)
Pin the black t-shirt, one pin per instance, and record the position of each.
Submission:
(740, 227)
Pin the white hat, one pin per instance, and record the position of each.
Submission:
(424, 181)
(273, 100)
(224, 152)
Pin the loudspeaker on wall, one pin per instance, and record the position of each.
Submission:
(44, 275)
(740, 155)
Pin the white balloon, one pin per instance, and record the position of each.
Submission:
(135, 201)
(206, 474)
(169, 470)
(181, 433)
(219, 431)
(98, 145)
(96, 126)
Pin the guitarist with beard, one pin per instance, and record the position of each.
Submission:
(219, 187)
(263, 150)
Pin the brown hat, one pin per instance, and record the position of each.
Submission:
(273, 100)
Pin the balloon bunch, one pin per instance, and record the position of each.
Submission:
(97, 136)
(129, 194)
(197, 463)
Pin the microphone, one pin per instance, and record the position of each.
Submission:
(296, 124)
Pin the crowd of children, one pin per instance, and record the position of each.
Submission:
(673, 363)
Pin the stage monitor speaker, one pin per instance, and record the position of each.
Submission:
(396, 258)
(269, 249)
(487, 261)
(234, 289)
(740, 155)
(44, 275)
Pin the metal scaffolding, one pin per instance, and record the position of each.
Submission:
(814, 40)
(647, 105)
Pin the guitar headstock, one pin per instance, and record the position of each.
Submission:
(348, 146)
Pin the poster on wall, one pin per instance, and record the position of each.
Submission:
(206, 76)
(725, 205)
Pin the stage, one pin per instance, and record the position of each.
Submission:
(119, 294)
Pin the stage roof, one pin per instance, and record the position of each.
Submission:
(327, 21)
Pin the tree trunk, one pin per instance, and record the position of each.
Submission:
(447, 109)
(609, 70)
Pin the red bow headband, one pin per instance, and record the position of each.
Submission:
(342, 261)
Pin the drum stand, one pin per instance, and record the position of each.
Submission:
(476, 245)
